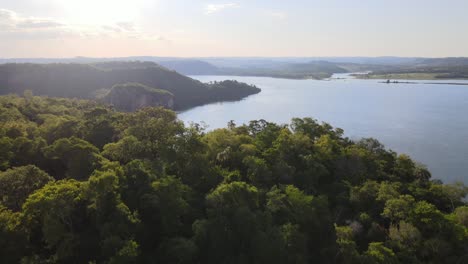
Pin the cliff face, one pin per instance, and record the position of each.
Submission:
(133, 96)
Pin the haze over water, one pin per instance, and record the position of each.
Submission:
(426, 121)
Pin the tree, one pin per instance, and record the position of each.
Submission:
(427, 218)
(135, 183)
(55, 215)
(99, 127)
(399, 208)
(114, 222)
(447, 197)
(405, 168)
(125, 150)
(177, 250)
(6, 154)
(388, 191)
(461, 215)
(232, 225)
(13, 242)
(18, 183)
(230, 196)
(77, 158)
(164, 211)
(364, 197)
(378, 253)
(258, 172)
(157, 129)
(347, 248)
(289, 205)
(406, 236)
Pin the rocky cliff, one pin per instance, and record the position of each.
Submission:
(133, 96)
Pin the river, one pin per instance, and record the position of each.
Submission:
(426, 121)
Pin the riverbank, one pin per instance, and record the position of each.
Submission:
(402, 76)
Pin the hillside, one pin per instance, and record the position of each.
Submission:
(87, 80)
(82, 183)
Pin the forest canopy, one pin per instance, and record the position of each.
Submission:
(83, 183)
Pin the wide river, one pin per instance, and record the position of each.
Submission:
(427, 121)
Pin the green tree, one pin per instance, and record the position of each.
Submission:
(75, 158)
(347, 248)
(398, 209)
(55, 215)
(13, 242)
(125, 150)
(114, 222)
(18, 183)
(378, 253)
(7, 153)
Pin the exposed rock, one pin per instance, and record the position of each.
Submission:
(133, 96)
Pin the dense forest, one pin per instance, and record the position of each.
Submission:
(83, 183)
(89, 81)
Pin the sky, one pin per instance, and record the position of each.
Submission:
(233, 28)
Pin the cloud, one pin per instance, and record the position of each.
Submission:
(277, 14)
(14, 22)
(6, 19)
(127, 26)
(6, 14)
(13, 25)
(214, 8)
(39, 23)
(121, 27)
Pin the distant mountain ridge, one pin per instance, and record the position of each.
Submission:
(282, 67)
(191, 67)
(227, 62)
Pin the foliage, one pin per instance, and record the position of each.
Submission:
(82, 183)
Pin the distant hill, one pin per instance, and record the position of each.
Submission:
(88, 80)
(309, 70)
(228, 62)
(266, 62)
(425, 69)
(191, 67)
(291, 67)
(442, 62)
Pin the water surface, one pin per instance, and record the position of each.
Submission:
(426, 121)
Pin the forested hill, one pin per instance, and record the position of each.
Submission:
(310, 70)
(191, 67)
(82, 183)
(88, 80)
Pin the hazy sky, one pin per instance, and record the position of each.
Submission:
(105, 28)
